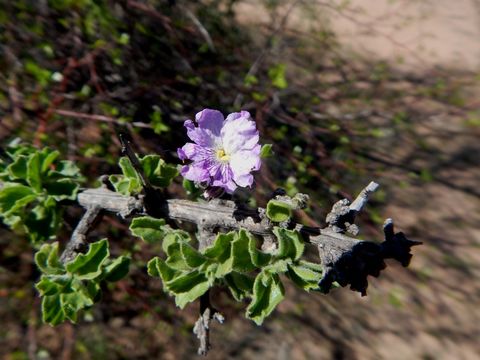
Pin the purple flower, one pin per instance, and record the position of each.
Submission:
(224, 151)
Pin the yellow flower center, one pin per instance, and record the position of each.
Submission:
(222, 156)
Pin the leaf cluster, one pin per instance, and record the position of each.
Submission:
(34, 182)
(233, 261)
(156, 170)
(68, 288)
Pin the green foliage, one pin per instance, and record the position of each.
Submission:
(159, 173)
(233, 260)
(266, 151)
(69, 288)
(277, 76)
(278, 211)
(34, 182)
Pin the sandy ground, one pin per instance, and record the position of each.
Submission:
(416, 34)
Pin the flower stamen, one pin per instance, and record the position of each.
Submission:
(222, 156)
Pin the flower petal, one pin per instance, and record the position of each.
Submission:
(195, 152)
(239, 133)
(210, 120)
(202, 137)
(196, 172)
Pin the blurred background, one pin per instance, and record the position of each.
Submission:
(347, 91)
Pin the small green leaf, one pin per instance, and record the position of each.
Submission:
(290, 243)
(191, 256)
(158, 268)
(47, 259)
(14, 197)
(278, 211)
(117, 269)
(304, 277)
(149, 229)
(240, 253)
(266, 151)
(127, 168)
(277, 76)
(62, 189)
(34, 177)
(278, 266)
(88, 266)
(268, 292)
(174, 237)
(240, 285)
(52, 312)
(220, 249)
(259, 258)
(185, 281)
(193, 294)
(18, 169)
(176, 259)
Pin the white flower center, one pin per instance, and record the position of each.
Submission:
(221, 156)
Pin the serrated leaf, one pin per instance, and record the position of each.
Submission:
(51, 285)
(175, 258)
(240, 285)
(158, 268)
(66, 168)
(34, 177)
(47, 157)
(290, 243)
(191, 256)
(47, 259)
(193, 294)
(15, 196)
(127, 168)
(174, 237)
(43, 220)
(52, 312)
(304, 277)
(157, 171)
(220, 249)
(278, 266)
(88, 266)
(18, 168)
(117, 269)
(259, 258)
(185, 281)
(278, 211)
(240, 253)
(149, 229)
(62, 189)
(268, 292)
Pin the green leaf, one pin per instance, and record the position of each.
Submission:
(52, 312)
(158, 268)
(47, 259)
(14, 197)
(240, 253)
(193, 294)
(191, 256)
(278, 266)
(62, 189)
(290, 243)
(277, 76)
(47, 157)
(259, 258)
(51, 285)
(117, 269)
(43, 220)
(34, 177)
(268, 292)
(174, 237)
(127, 168)
(18, 169)
(176, 259)
(278, 211)
(88, 266)
(185, 282)
(266, 151)
(220, 249)
(240, 285)
(157, 171)
(66, 168)
(149, 229)
(304, 277)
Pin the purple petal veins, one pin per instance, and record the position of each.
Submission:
(224, 152)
